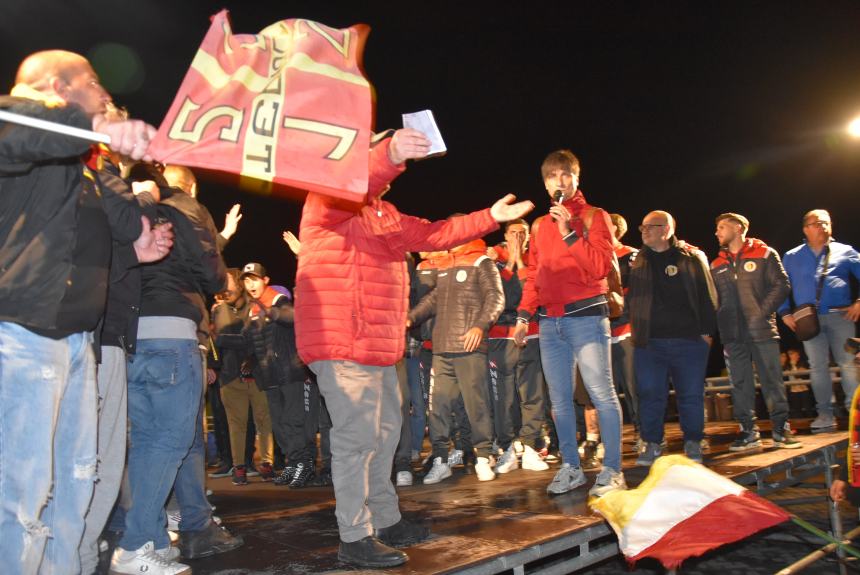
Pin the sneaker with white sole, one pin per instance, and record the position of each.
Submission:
(169, 553)
(532, 460)
(484, 469)
(508, 461)
(438, 472)
(455, 457)
(607, 480)
(566, 479)
(749, 439)
(404, 478)
(785, 439)
(823, 423)
(518, 447)
(144, 560)
(650, 451)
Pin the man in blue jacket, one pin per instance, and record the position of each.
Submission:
(819, 270)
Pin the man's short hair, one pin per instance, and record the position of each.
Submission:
(815, 212)
(620, 225)
(518, 221)
(735, 218)
(560, 159)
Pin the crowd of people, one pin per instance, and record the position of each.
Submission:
(118, 314)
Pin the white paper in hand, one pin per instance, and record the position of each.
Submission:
(424, 122)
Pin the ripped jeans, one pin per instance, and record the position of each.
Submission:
(48, 419)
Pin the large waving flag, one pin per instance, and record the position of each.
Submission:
(289, 105)
(682, 510)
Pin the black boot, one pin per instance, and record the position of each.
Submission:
(370, 552)
(402, 534)
(304, 473)
(322, 479)
(208, 541)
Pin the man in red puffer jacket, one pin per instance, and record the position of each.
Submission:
(352, 290)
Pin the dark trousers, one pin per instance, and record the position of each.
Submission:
(624, 377)
(740, 357)
(403, 454)
(685, 360)
(517, 391)
(461, 375)
(294, 410)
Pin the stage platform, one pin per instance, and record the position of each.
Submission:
(509, 524)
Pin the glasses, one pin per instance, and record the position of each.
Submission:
(819, 223)
(647, 227)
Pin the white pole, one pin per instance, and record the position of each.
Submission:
(54, 127)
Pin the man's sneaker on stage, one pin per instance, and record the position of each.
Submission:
(749, 439)
(566, 479)
(823, 423)
(650, 451)
(607, 480)
(785, 439)
(438, 472)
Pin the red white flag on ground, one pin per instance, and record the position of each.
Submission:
(682, 510)
(289, 105)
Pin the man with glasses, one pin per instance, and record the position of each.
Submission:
(819, 271)
(672, 303)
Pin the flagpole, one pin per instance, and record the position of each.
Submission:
(826, 536)
(54, 127)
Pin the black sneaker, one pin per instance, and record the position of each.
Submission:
(304, 473)
(785, 440)
(749, 439)
(322, 479)
(370, 552)
(402, 534)
(589, 460)
(240, 476)
(266, 471)
(223, 471)
(206, 542)
(286, 476)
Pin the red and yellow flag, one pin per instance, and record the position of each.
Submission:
(289, 105)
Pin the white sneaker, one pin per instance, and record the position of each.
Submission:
(404, 478)
(144, 560)
(566, 479)
(607, 480)
(484, 470)
(173, 520)
(455, 457)
(518, 447)
(532, 460)
(438, 472)
(169, 553)
(508, 461)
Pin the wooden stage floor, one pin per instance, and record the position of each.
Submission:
(476, 527)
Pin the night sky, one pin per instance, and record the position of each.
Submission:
(696, 108)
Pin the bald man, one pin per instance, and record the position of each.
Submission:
(184, 179)
(672, 305)
(58, 219)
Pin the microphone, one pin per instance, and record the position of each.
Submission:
(558, 196)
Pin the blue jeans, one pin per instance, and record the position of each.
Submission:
(165, 388)
(686, 360)
(418, 420)
(568, 342)
(48, 420)
(835, 329)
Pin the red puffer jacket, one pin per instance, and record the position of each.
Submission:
(352, 285)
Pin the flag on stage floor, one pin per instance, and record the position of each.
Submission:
(288, 105)
(682, 510)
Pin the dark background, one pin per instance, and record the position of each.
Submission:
(696, 108)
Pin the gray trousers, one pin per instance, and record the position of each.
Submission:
(113, 411)
(364, 403)
(740, 357)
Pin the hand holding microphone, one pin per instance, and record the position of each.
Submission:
(559, 213)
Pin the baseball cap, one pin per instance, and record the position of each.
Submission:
(253, 269)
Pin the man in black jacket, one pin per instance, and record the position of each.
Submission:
(671, 301)
(751, 284)
(165, 392)
(467, 300)
(58, 218)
